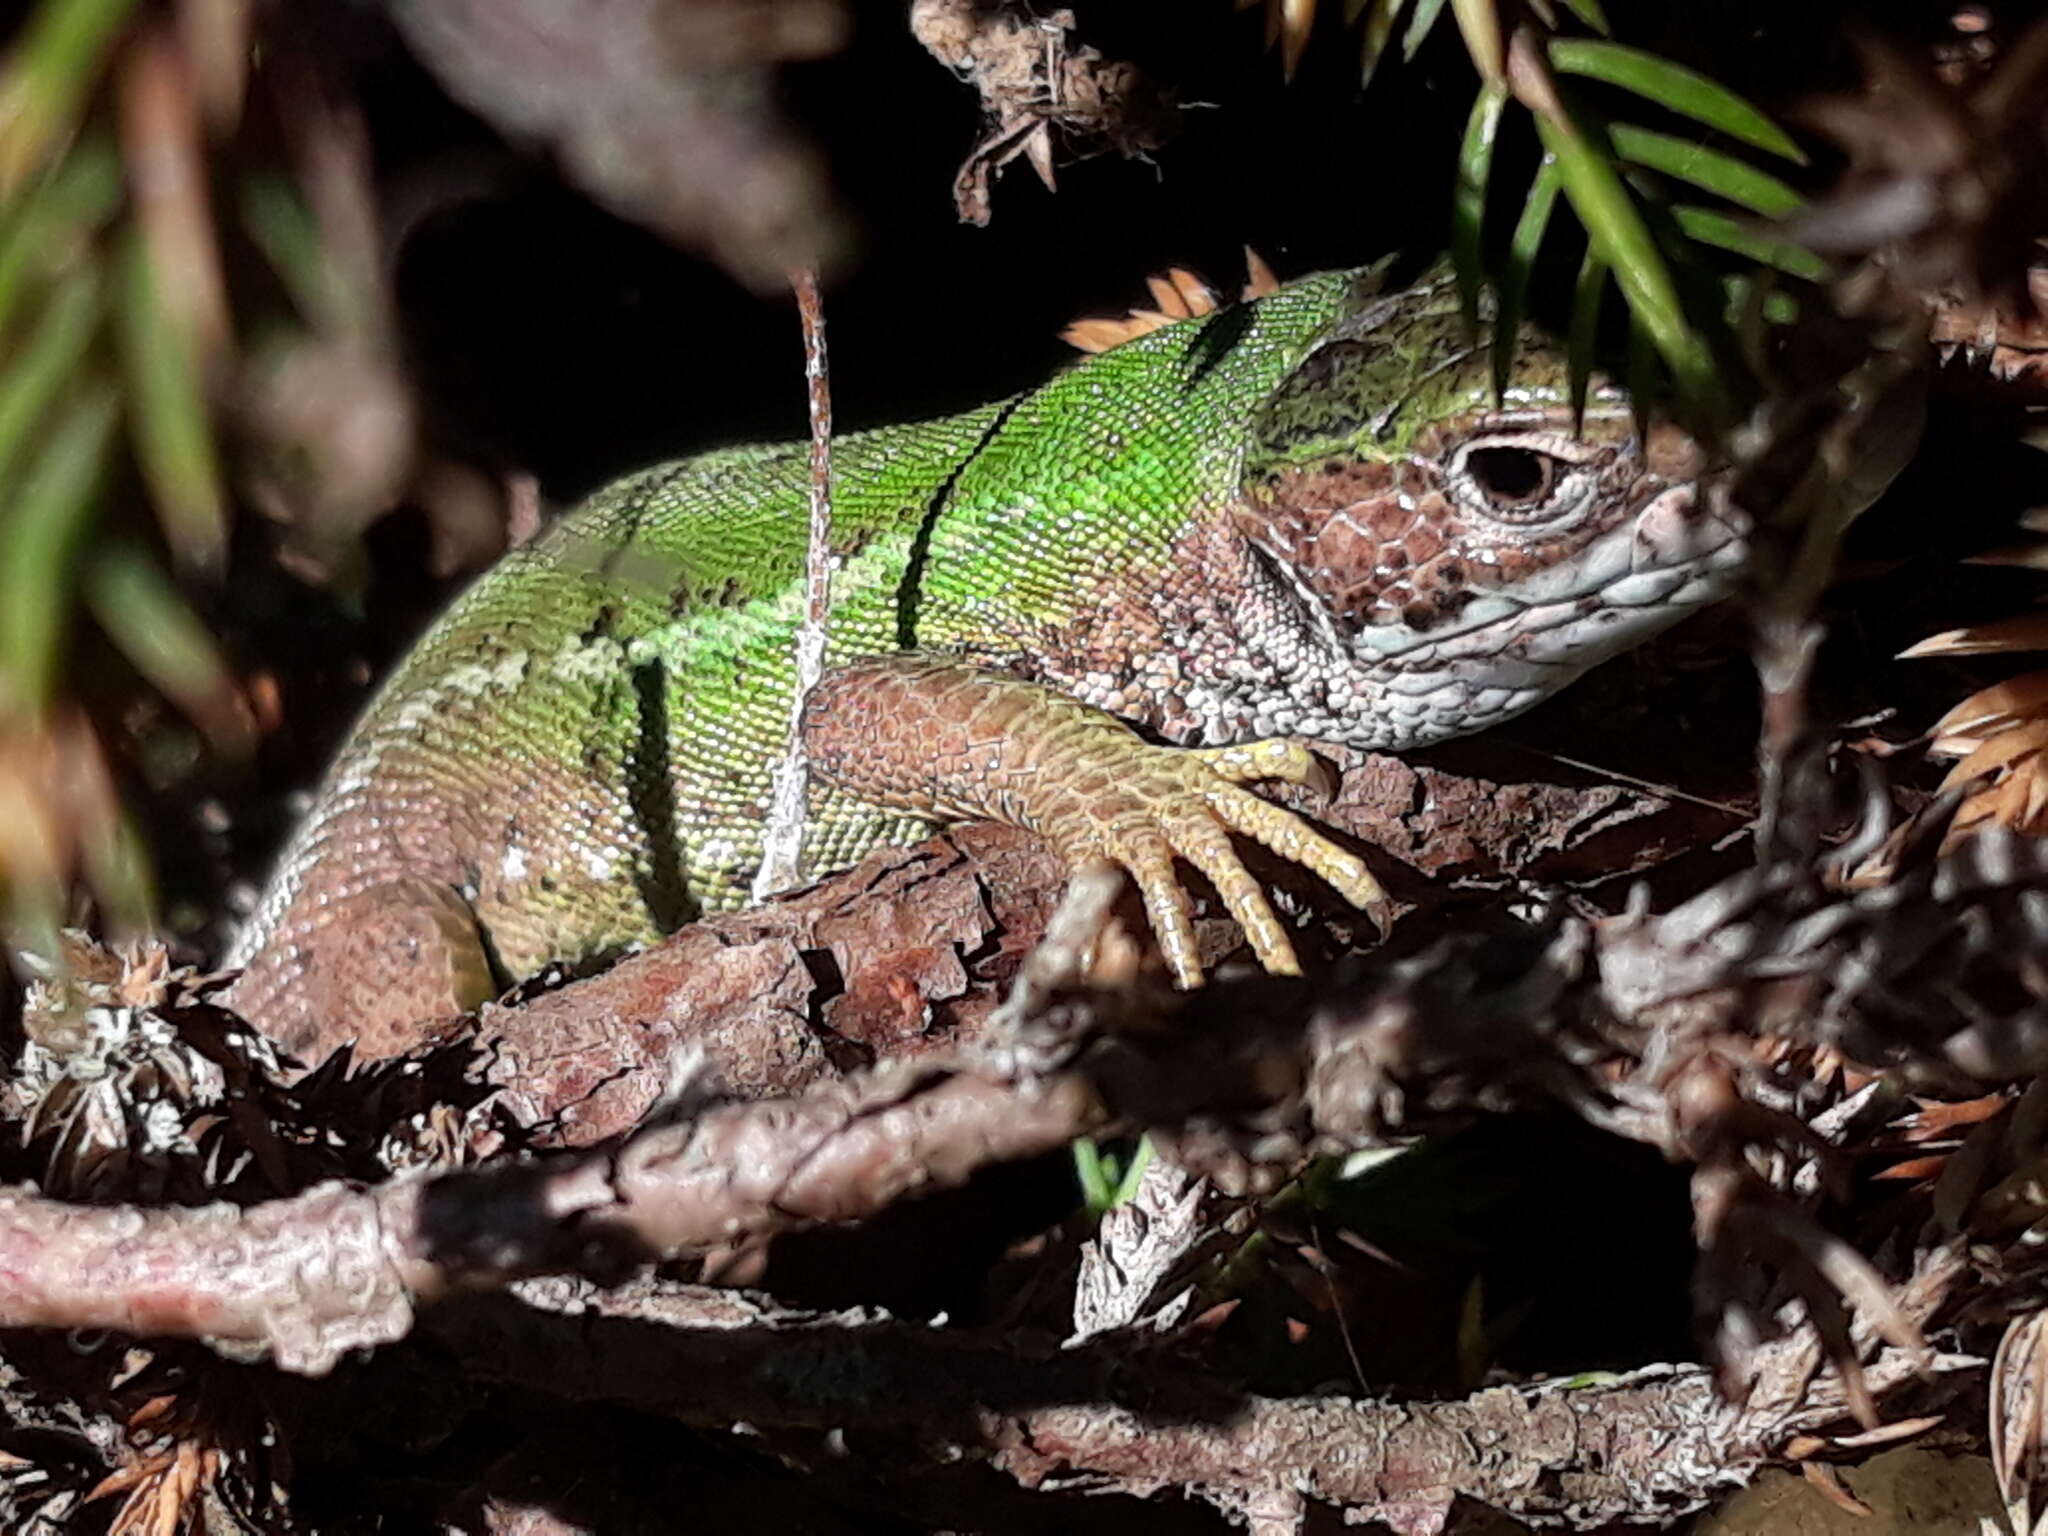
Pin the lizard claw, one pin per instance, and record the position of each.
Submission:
(1277, 757)
(1164, 803)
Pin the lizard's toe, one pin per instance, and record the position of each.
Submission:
(1280, 829)
(1277, 757)
(1299, 843)
(1202, 841)
(1135, 841)
(964, 740)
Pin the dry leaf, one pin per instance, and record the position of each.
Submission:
(1936, 1118)
(1828, 1483)
(1178, 295)
(2019, 1375)
(2027, 632)
(1989, 710)
(1288, 23)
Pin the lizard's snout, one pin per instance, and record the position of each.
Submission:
(1685, 531)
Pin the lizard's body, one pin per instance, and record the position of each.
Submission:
(1260, 523)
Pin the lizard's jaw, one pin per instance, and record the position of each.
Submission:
(1673, 554)
(1507, 650)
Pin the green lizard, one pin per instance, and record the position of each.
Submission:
(1096, 610)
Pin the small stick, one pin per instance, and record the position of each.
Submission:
(782, 842)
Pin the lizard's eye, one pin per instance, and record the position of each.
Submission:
(1511, 477)
(1521, 479)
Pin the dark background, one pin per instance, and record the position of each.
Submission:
(571, 343)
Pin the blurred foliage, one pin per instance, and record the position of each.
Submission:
(126, 305)
(664, 111)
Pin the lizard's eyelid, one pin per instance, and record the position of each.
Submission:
(1563, 446)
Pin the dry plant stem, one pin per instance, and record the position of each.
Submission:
(308, 1277)
(330, 146)
(1796, 548)
(214, 36)
(842, 1152)
(781, 854)
(1787, 636)
(1785, 649)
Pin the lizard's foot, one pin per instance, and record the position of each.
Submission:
(948, 739)
(1142, 806)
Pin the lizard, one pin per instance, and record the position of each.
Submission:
(1099, 609)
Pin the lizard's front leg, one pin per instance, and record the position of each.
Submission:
(954, 741)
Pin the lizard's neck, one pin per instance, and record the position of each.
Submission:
(1218, 645)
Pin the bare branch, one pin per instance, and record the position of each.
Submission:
(1650, 1444)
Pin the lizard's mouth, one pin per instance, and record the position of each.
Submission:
(1678, 551)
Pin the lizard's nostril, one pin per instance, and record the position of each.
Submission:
(1667, 533)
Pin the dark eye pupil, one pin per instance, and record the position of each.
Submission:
(1511, 476)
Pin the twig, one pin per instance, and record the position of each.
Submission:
(306, 1279)
(782, 842)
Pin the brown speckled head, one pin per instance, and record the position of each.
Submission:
(1407, 505)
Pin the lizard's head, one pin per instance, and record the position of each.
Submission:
(1487, 551)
